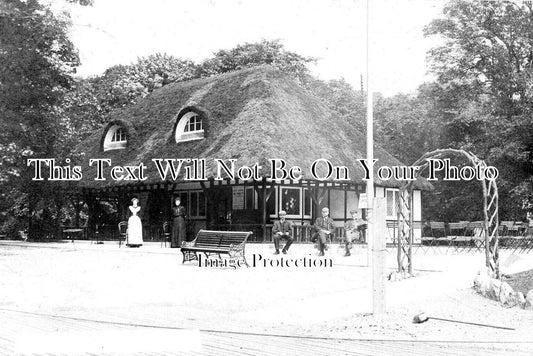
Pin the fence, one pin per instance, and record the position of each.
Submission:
(436, 237)
(467, 237)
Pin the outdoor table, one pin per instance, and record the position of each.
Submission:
(69, 232)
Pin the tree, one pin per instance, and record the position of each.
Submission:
(484, 77)
(86, 106)
(252, 54)
(123, 85)
(487, 50)
(341, 97)
(37, 61)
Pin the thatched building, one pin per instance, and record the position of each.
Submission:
(252, 116)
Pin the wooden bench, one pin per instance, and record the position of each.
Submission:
(210, 242)
(70, 232)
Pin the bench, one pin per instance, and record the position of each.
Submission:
(210, 242)
(70, 233)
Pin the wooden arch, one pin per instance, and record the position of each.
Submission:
(490, 208)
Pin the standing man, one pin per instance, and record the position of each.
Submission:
(352, 230)
(323, 228)
(282, 229)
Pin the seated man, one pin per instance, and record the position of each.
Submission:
(352, 229)
(282, 229)
(322, 228)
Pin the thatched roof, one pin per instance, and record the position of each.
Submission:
(251, 115)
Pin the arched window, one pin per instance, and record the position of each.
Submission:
(190, 127)
(115, 138)
(119, 135)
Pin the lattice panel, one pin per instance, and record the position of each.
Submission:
(490, 191)
(404, 232)
(490, 208)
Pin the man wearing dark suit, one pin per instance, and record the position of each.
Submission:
(322, 228)
(352, 229)
(282, 229)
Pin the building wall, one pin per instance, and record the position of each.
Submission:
(336, 204)
(417, 211)
(292, 198)
(353, 202)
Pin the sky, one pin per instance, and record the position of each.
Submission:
(334, 32)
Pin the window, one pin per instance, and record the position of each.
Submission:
(115, 138)
(250, 201)
(190, 127)
(271, 203)
(119, 135)
(290, 201)
(237, 198)
(193, 202)
(392, 196)
(307, 202)
(296, 202)
(194, 124)
(197, 208)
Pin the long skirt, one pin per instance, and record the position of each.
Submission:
(178, 232)
(135, 231)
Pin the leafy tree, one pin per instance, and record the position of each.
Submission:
(123, 85)
(487, 50)
(402, 126)
(252, 54)
(341, 97)
(37, 61)
(484, 77)
(81, 112)
(86, 105)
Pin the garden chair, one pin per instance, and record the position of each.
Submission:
(456, 236)
(122, 232)
(507, 228)
(166, 232)
(476, 233)
(437, 234)
(392, 228)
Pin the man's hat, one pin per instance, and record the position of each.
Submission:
(325, 209)
(353, 211)
(282, 212)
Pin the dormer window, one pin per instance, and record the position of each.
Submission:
(190, 127)
(115, 138)
(119, 135)
(194, 124)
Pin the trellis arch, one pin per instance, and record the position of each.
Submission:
(490, 209)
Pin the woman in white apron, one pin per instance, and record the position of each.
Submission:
(135, 229)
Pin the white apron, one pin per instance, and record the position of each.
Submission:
(135, 229)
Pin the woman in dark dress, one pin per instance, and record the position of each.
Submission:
(178, 224)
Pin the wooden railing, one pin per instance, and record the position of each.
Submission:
(301, 233)
(257, 230)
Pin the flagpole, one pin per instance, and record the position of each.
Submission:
(369, 143)
(375, 243)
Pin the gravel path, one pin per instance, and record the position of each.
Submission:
(150, 286)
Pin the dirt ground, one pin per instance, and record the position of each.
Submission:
(521, 281)
(150, 285)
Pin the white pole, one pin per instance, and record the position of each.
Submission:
(376, 254)
(369, 142)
